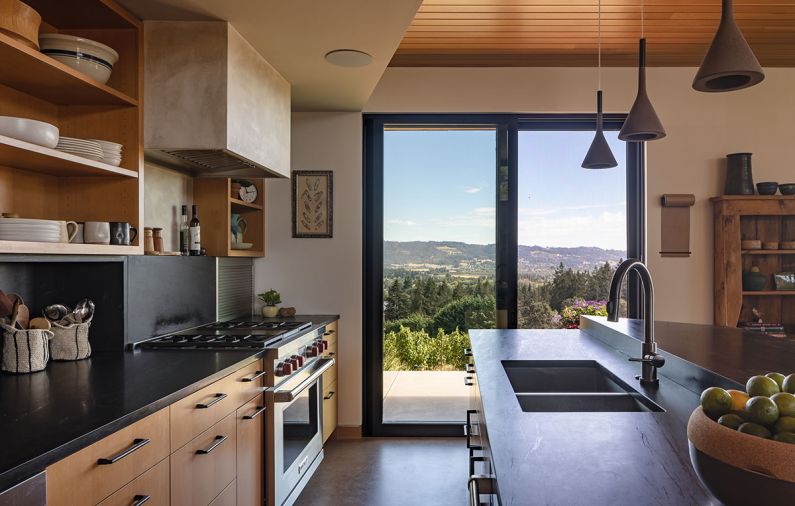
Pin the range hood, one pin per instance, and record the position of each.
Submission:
(212, 105)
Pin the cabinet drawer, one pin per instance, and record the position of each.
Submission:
(152, 487)
(331, 332)
(251, 452)
(93, 473)
(227, 497)
(198, 411)
(329, 410)
(201, 469)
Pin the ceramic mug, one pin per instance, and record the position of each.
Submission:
(122, 233)
(78, 238)
(96, 232)
(68, 230)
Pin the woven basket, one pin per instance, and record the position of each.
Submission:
(24, 351)
(70, 342)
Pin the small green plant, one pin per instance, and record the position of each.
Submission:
(270, 298)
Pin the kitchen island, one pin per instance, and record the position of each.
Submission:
(610, 457)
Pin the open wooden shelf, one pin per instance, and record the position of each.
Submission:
(769, 252)
(786, 293)
(38, 75)
(57, 248)
(27, 156)
(245, 205)
(245, 253)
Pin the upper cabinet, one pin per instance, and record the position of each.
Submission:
(213, 105)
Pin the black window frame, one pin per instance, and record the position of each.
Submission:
(507, 127)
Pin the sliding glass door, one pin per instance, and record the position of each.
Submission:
(462, 215)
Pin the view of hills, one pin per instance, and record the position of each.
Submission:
(462, 259)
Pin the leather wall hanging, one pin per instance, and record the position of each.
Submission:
(675, 225)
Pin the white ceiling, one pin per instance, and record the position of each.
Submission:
(295, 35)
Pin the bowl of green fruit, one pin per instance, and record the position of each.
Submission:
(742, 444)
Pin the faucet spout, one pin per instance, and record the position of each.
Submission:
(650, 359)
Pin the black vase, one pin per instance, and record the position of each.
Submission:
(739, 177)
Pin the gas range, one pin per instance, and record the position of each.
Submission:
(229, 335)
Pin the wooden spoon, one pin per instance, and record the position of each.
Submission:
(23, 316)
(40, 323)
(14, 314)
(6, 305)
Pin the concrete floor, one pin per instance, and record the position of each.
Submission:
(425, 396)
(390, 472)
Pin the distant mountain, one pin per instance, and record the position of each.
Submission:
(463, 258)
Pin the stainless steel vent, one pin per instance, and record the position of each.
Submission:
(235, 288)
(215, 162)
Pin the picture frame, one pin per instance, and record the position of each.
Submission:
(313, 204)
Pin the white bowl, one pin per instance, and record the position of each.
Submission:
(29, 130)
(88, 56)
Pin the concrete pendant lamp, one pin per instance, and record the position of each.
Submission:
(599, 155)
(642, 123)
(729, 64)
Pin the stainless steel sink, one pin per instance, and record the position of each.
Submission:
(572, 386)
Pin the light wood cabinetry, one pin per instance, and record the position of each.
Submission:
(153, 487)
(218, 453)
(92, 474)
(330, 382)
(201, 469)
(216, 205)
(765, 218)
(38, 182)
(250, 457)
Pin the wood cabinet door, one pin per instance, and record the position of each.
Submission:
(251, 452)
(329, 410)
(152, 487)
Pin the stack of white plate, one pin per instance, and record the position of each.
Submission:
(80, 147)
(111, 152)
(22, 229)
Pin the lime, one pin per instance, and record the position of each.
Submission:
(761, 410)
(784, 424)
(739, 399)
(715, 402)
(785, 402)
(788, 385)
(777, 377)
(754, 429)
(731, 421)
(785, 437)
(761, 386)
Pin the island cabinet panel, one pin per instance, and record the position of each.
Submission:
(94, 473)
(152, 486)
(204, 467)
(228, 497)
(250, 454)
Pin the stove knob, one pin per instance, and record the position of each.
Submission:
(284, 369)
(325, 344)
(311, 351)
(294, 362)
(300, 360)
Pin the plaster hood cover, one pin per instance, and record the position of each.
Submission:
(213, 105)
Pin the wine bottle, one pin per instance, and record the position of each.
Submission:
(184, 234)
(195, 234)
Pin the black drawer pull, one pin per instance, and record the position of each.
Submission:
(140, 499)
(257, 375)
(329, 396)
(468, 381)
(216, 444)
(255, 414)
(330, 354)
(329, 332)
(467, 352)
(218, 398)
(138, 443)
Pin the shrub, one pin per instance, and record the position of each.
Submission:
(571, 314)
(414, 321)
(466, 313)
(408, 350)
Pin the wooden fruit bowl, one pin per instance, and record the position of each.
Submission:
(20, 21)
(740, 469)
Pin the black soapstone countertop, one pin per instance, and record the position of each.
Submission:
(47, 415)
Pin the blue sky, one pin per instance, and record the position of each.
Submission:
(440, 186)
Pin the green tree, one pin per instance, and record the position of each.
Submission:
(469, 312)
(538, 314)
(396, 302)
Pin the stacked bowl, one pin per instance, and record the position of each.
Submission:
(90, 57)
(22, 229)
(81, 147)
(111, 152)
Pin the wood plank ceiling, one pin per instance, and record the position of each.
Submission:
(534, 33)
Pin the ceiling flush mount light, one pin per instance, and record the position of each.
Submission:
(348, 58)
(729, 64)
(599, 155)
(642, 123)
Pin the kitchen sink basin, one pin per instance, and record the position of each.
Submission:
(572, 386)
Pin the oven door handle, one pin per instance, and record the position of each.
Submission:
(322, 366)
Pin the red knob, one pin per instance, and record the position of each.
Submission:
(297, 361)
(311, 351)
(286, 368)
(325, 344)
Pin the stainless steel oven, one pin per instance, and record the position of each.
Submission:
(295, 431)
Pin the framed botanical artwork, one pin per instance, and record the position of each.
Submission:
(312, 203)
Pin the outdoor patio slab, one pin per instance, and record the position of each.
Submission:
(425, 396)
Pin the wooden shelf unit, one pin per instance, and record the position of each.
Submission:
(38, 182)
(212, 195)
(766, 218)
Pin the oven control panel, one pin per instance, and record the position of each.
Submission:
(296, 361)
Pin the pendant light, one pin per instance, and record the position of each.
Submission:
(599, 155)
(642, 123)
(729, 64)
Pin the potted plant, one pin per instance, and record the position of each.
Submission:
(270, 298)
